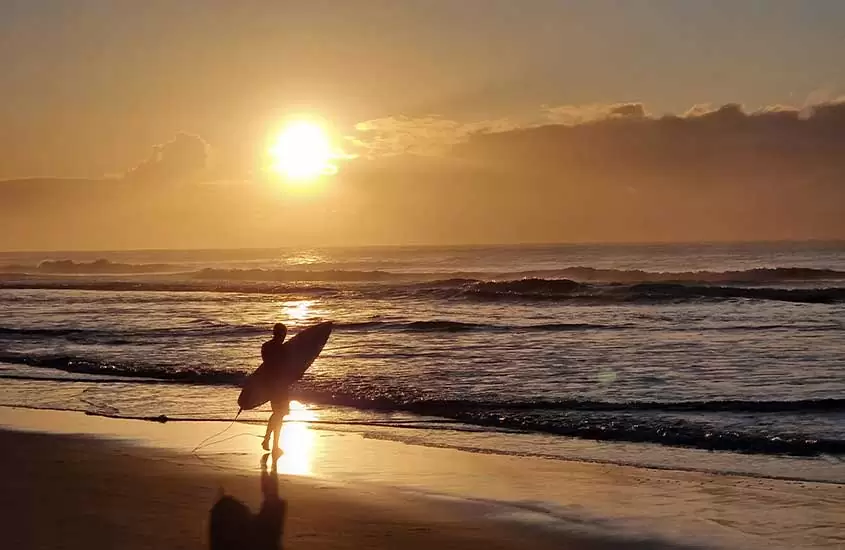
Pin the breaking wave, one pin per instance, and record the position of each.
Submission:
(101, 266)
(552, 290)
(206, 329)
(567, 290)
(118, 336)
(457, 326)
(761, 275)
(674, 423)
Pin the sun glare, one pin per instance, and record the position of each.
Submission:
(302, 152)
(298, 310)
(297, 441)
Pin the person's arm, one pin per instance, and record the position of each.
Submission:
(265, 354)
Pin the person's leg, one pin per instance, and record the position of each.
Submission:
(281, 408)
(275, 420)
(274, 425)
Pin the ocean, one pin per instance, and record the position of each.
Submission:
(712, 357)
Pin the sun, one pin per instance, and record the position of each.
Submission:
(302, 152)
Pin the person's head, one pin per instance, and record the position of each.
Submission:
(280, 331)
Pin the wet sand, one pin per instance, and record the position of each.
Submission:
(74, 492)
(78, 482)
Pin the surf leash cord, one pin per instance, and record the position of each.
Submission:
(218, 434)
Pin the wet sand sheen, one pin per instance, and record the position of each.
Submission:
(74, 492)
(96, 483)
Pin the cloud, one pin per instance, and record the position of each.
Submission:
(830, 112)
(699, 109)
(571, 115)
(427, 135)
(402, 134)
(182, 159)
(564, 128)
(632, 110)
(620, 174)
(614, 172)
(725, 143)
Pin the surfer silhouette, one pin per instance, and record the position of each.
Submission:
(284, 364)
(273, 355)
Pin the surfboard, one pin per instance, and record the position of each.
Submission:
(300, 353)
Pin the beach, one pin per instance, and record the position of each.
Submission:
(79, 492)
(77, 481)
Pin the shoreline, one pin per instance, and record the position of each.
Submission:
(553, 501)
(829, 470)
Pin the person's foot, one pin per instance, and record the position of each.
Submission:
(265, 444)
(277, 452)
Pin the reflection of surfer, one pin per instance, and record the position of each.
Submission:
(273, 355)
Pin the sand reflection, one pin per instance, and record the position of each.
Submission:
(297, 441)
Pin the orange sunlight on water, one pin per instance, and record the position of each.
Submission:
(298, 311)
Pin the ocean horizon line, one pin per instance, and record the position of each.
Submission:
(436, 246)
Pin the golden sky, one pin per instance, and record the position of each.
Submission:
(168, 124)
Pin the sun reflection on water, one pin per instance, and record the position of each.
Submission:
(306, 257)
(297, 441)
(298, 310)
